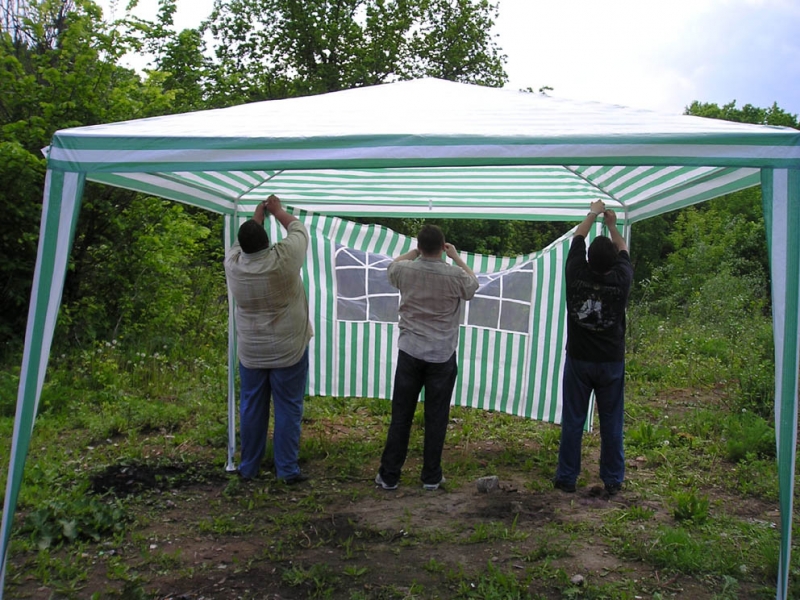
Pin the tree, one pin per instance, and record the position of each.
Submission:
(58, 69)
(454, 43)
(279, 48)
(180, 63)
(686, 247)
(774, 115)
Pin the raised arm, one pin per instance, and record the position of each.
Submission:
(412, 254)
(595, 210)
(611, 224)
(274, 207)
(453, 254)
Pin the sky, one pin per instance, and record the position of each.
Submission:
(653, 54)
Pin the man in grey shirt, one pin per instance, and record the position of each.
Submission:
(431, 295)
(273, 331)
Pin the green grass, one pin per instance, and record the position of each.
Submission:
(698, 441)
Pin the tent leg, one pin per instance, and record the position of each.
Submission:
(61, 203)
(781, 203)
(230, 466)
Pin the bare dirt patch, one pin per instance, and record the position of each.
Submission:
(202, 534)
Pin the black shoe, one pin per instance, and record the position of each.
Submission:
(564, 486)
(612, 489)
(295, 479)
(241, 477)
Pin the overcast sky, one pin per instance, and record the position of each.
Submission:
(654, 54)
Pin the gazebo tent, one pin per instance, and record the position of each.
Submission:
(426, 148)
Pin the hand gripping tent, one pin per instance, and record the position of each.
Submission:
(417, 149)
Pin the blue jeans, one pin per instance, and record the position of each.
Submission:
(608, 382)
(287, 387)
(411, 375)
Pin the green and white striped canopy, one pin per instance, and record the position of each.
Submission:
(359, 152)
(427, 148)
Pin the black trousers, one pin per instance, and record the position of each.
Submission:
(411, 376)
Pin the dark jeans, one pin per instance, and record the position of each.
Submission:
(608, 382)
(410, 377)
(286, 387)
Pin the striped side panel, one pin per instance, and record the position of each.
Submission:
(366, 356)
(549, 336)
(320, 289)
(490, 369)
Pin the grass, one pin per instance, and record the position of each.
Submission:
(125, 494)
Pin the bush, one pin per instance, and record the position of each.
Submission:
(748, 435)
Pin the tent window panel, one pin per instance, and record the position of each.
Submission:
(378, 261)
(483, 312)
(488, 286)
(347, 257)
(518, 285)
(379, 282)
(352, 310)
(363, 289)
(384, 308)
(351, 282)
(515, 316)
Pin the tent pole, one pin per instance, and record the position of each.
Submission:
(230, 467)
(60, 208)
(781, 203)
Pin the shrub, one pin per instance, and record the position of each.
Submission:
(747, 434)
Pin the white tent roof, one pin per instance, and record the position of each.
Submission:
(563, 154)
(428, 147)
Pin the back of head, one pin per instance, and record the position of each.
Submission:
(602, 254)
(252, 237)
(430, 240)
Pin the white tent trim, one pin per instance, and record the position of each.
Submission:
(434, 148)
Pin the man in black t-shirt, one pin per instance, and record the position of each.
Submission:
(597, 296)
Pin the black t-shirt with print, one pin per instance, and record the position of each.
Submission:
(596, 306)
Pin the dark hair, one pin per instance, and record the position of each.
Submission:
(252, 237)
(602, 254)
(430, 239)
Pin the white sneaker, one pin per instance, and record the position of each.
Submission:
(433, 486)
(379, 481)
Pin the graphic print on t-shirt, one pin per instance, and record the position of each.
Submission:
(591, 305)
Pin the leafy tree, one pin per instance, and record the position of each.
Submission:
(279, 48)
(774, 115)
(660, 244)
(58, 69)
(454, 43)
(707, 242)
(180, 62)
(158, 285)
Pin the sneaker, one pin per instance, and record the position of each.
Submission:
(295, 479)
(379, 481)
(564, 486)
(431, 487)
(612, 489)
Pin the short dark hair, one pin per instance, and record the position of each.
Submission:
(252, 237)
(602, 254)
(430, 239)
